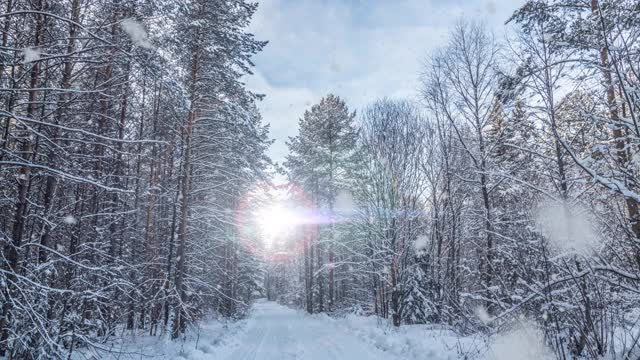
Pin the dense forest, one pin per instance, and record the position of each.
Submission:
(133, 162)
(121, 157)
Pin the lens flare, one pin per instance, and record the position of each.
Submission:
(275, 220)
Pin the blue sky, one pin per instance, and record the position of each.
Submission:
(360, 50)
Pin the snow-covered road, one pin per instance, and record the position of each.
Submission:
(275, 332)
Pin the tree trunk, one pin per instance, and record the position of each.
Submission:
(24, 179)
(179, 322)
(7, 121)
(622, 157)
(308, 269)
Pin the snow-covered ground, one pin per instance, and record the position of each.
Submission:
(414, 341)
(276, 332)
(203, 342)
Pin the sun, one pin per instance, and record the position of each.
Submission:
(275, 220)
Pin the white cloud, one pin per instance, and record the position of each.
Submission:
(282, 109)
(359, 50)
(136, 32)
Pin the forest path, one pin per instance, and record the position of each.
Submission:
(277, 332)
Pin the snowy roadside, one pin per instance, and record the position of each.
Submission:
(201, 342)
(411, 342)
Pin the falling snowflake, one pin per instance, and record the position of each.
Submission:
(567, 227)
(524, 342)
(30, 55)
(69, 220)
(483, 315)
(421, 243)
(136, 32)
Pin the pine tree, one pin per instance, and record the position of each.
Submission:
(325, 144)
(107, 130)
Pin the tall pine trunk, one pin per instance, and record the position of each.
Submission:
(179, 321)
(24, 179)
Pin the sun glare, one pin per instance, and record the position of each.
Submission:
(274, 221)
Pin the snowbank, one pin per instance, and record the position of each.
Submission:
(412, 342)
(201, 343)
